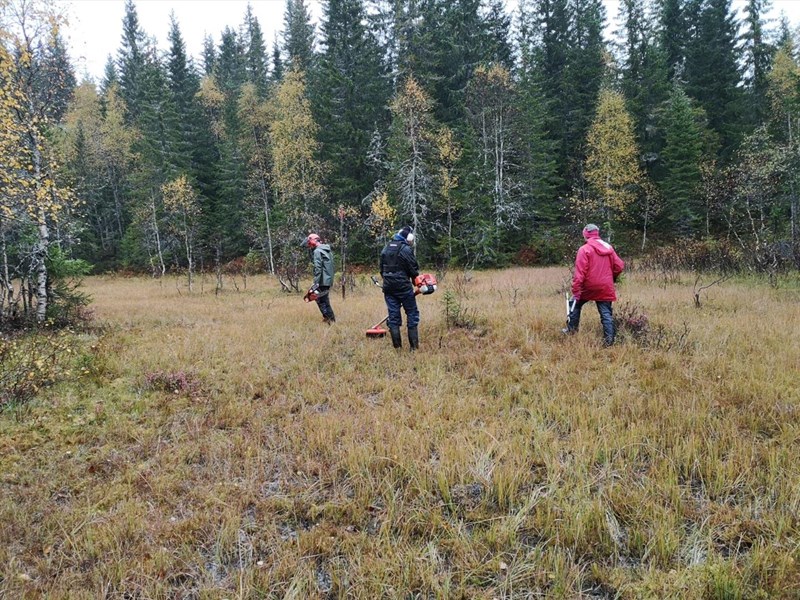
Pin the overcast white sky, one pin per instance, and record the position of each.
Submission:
(95, 26)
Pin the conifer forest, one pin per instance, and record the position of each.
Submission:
(494, 135)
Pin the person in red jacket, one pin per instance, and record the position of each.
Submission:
(597, 267)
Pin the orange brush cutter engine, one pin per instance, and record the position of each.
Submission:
(426, 283)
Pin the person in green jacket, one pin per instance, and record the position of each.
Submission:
(323, 275)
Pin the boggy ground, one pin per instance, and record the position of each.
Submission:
(232, 446)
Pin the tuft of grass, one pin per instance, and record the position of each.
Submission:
(500, 461)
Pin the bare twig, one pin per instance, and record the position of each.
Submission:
(697, 290)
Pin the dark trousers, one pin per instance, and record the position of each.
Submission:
(408, 301)
(324, 303)
(606, 319)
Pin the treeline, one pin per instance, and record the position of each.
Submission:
(494, 135)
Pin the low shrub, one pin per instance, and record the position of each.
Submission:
(32, 361)
(173, 382)
(630, 320)
(632, 323)
(695, 255)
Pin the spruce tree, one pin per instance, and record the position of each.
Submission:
(183, 85)
(673, 35)
(496, 36)
(645, 82)
(298, 35)
(110, 76)
(256, 52)
(547, 28)
(350, 93)
(585, 74)
(230, 73)
(277, 61)
(55, 76)
(131, 61)
(209, 55)
(538, 154)
(682, 157)
(712, 70)
(758, 54)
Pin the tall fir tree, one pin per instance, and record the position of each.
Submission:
(298, 35)
(209, 55)
(673, 35)
(585, 74)
(547, 27)
(712, 70)
(350, 93)
(55, 76)
(539, 150)
(645, 77)
(183, 85)
(758, 53)
(131, 61)
(256, 52)
(497, 29)
(230, 73)
(682, 157)
(110, 76)
(277, 61)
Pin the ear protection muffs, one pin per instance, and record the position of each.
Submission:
(407, 233)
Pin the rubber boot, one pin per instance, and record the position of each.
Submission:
(397, 341)
(413, 338)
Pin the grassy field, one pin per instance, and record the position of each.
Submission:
(233, 446)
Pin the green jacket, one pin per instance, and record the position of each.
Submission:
(323, 265)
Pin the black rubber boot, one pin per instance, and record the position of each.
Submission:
(397, 341)
(413, 338)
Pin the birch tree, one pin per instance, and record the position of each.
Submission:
(412, 151)
(31, 194)
(612, 168)
(254, 115)
(182, 212)
(491, 108)
(297, 174)
(784, 83)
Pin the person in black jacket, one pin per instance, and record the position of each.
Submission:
(399, 268)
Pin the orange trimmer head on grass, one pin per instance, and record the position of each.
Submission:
(376, 331)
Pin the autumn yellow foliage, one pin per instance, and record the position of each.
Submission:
(612, 168)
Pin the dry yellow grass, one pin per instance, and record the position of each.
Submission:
(503, 461)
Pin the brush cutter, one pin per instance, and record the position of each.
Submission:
(376, 331)
(312, 294)
(570, 307)
(425, 283)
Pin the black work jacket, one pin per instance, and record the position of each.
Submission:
(398, 267)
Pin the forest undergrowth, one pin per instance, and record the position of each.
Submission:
(233, 446)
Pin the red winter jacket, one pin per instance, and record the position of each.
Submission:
(597, 267)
